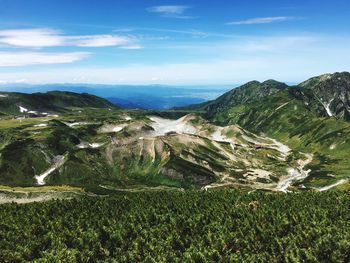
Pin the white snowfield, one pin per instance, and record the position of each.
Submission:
(22, 109)
(81, 123)
(108, 128)
(85, 145)
(41, 125)
(3, 95)
(163, 126)
(325, 188)
(58, 161)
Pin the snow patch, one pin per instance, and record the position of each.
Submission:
(329, 112)
(333, 146)
(3, 95)
(22, 109)
(58, 161)
(108, 128)
(41, 125)
(325, 188)
(72, 124)
(85, 145)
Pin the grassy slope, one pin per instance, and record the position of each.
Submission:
(54, 101)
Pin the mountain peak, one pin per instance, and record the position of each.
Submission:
(333, 78)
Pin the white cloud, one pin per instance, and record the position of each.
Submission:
(261, 20)
(132, 47)
(168, 9)
(289, 58)
(12, 59)
(171, 11)
(42, 37)
(100, 41)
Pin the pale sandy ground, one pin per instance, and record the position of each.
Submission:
(295, 174)
(163, 126)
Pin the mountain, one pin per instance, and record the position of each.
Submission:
(118, 149)
(156, 97)
(246, 93)
(310, 117)
(329, 93)
(51, 102)
(326, 95)
(259, 136)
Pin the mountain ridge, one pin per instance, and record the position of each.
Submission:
(50, 102)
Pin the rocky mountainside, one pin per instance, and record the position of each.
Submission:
(329, 94)
(310, 117)
(246, 93)
(14, 103)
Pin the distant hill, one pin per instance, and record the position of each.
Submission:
(53, 101)
(155, 97)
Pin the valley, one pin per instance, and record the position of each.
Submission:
(275, 141)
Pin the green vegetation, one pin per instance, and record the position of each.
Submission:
(53, 101)
(170, 226)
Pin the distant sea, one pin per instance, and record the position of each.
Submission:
(157, 97)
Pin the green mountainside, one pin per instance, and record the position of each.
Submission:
(246, 93)
(259, 136)
(54, 101)
(311, 117)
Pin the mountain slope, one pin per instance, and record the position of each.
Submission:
(54, 101)
(246, 93)
(329, 94)
(298, 117)
(117, 150)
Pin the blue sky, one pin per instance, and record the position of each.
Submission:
(171, 42)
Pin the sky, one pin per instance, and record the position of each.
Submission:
(183, 42)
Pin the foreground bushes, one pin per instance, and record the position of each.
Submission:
(213, 226)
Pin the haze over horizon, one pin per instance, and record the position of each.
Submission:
(171, 42)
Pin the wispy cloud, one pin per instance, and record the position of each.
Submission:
(37, 37)
(261, 20)
(234, 61)
(100, 41)
(12, 59)
(44, 37)
(171, 11)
